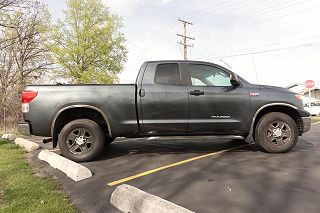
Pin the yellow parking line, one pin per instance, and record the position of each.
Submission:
(171, 165)
(54, 150)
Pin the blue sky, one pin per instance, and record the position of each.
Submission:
(223, 28)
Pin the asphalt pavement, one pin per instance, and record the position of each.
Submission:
(203, 174)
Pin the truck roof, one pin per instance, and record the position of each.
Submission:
(188, 61)
(179, 61)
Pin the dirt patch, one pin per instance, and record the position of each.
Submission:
(36, 166)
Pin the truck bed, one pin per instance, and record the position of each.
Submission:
(116, 101)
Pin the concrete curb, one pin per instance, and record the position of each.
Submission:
(130, 199)
(72, 169)
(28, 145)
(10, 137)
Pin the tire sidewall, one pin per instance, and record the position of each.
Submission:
(261, 137)
(96, 134)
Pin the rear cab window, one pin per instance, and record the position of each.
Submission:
(167, 74)
(159, 73)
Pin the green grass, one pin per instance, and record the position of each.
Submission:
(315, 119)
(21, 190)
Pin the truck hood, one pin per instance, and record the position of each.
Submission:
(280, 93)
(275, 88)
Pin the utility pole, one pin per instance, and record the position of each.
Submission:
(185, 38)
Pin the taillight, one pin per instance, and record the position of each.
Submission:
(28, 96)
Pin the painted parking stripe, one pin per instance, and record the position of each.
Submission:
(54, 150)
(171, 165)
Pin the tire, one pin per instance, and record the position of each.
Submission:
(276, 132)
(81, 140)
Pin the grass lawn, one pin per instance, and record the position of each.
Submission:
(23, 191)
(315, 119)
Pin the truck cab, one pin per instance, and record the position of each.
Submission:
(192, 98)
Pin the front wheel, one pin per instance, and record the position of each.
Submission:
(81, 140)
(276, 132)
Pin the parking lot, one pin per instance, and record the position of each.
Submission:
(206, 174)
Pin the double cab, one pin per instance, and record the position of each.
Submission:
(169, 98)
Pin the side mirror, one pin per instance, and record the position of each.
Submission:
(234, 80)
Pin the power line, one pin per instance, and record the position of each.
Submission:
(217, 7)
(270, 19)
(228, 6)
(185, 38)
(148, 39)
(241, 15)
(201, 12)
(269, 45)
(160, 43)
(253, 14)
(169, 26)
(266, 51)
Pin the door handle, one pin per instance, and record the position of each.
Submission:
(196, 92)
(142, 92)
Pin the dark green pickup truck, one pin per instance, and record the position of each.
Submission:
(169, 98)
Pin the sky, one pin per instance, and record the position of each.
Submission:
(274, 42)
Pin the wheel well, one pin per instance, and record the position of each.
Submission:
(283, 109)
(76, 113)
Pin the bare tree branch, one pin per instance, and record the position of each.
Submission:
(24, 56)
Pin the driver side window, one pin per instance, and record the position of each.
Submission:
(204, 75)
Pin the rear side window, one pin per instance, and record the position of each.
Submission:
(167, 74)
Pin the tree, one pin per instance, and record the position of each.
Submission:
(7, 8)
(7, 3)
(23, 53)
(88, 43)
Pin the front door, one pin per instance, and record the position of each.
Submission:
(163, 100)
(215, 106)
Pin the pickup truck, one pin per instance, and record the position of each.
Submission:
(169, 98)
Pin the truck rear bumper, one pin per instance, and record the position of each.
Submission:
(24, 128)
(306, 121)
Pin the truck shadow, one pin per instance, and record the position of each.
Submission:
(181, 146)
(169, 146)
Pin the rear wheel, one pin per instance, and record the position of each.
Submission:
(81, 140)
(276, 132)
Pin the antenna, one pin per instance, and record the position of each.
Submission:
(255, 70)
(226, 64)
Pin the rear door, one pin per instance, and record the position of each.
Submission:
(163, 100)
(215, 106)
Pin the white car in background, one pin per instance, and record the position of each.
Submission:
(315, 108)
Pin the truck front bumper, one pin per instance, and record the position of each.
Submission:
(306, 123)
(24, 128)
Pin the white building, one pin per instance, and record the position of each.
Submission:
(301, 89)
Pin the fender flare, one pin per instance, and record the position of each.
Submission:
(81, 106)
(249, 138)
